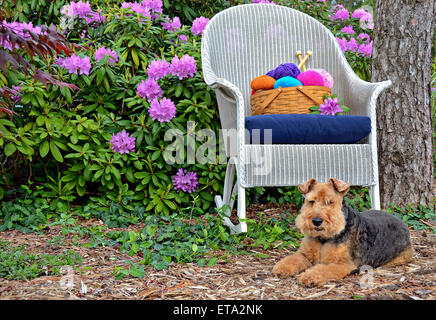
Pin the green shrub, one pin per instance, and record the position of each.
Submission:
(64, 134)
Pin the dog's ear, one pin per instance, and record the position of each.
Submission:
(305, 187)
(340, 186)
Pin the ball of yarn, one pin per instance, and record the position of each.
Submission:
(327, 77)
(284, 70)
(286, 82)
(311, 78)
(263, 82)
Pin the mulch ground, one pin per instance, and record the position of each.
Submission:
(242, 277)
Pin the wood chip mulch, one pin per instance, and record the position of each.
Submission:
(242, 277)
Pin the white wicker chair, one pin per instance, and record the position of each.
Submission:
(246, 41)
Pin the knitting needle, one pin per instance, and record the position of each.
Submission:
(308, 54)
(300, 58)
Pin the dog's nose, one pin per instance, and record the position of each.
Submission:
(317, 222)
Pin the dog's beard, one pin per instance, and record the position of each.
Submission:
(328, 229)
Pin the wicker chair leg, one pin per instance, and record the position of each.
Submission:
(374, 195)
(226, 202)
(242, 226)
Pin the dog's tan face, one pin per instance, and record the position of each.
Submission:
(321, 214)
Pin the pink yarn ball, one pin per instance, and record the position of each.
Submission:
(311, 78)
(328, 79)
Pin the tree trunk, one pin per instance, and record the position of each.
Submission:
(402, 53)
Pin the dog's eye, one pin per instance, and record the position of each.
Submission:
(311, 202)
(329, 202)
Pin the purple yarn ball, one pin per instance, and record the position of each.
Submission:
(284, 70)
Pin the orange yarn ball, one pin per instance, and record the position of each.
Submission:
(263, 82)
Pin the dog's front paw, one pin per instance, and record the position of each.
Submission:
(288, 266)
(312, 278)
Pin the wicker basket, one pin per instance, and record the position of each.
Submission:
(288, 100)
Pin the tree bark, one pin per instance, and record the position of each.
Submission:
(403, 36)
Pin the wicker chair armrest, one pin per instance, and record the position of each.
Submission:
(364, 94)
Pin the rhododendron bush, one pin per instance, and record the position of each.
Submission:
(133, 74)
(139, 75)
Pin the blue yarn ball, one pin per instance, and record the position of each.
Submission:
(284, 70)
(287, 82)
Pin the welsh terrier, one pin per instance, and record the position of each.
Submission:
(339, 240)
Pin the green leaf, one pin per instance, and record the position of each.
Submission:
(206, 196)
(100, 75)
(141, 175)
(132, 236)
(179, 90)
(194, 247)
(43, 148)
(108, 89)
(129, 175)
(135, 57)
(65, 91)
(345, 109)
(98, 174)
(40, 120)
(137, 272)
(10, 149)
(81, 181)
(212, 261)
(55, 152)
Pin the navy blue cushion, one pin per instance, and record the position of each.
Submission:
(308, 128)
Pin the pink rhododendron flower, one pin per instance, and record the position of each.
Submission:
(365, 49)
(361, 13)
(75, 64)
(365, 18)
(82, 10)
(185, 181)
(341, 14)
(343, 43)
(153, 5)
(137, 8)
(364, 37)
(96, 17)
(184, 67)
(149, 89)
(122, 142)
(163, 110)
(21, 28)
(101, 52)
(198, 25)
(183, 38)
(348, 29)
(77, 9)
(172, 25)
(346, 45)
(352, 45)
(158, 69)
(330, 107)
